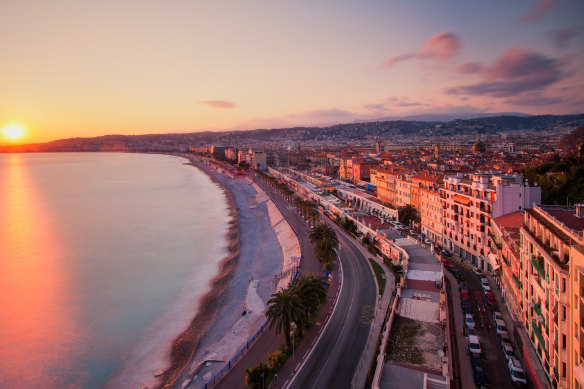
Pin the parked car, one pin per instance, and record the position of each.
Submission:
(467, 309)
(446, 263)
(508, 352)
(465, 301)
(500, 326)
(446, 253)
(486, 288)
(497, 316)
(491, 300)
(474, 345)
(476, 361)
(471, 331)
(517, 374)
(469, 321)
(504, 339)
(480, 378)
(484, 281)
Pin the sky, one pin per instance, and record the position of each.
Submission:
(71, 68)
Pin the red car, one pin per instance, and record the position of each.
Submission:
(491, 299)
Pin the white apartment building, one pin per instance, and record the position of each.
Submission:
(471, 200)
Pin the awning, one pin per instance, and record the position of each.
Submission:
(461, 199)
(492, 259)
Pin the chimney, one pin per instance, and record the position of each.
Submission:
(579, 210)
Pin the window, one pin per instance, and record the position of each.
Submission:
(563, 341)
(564, 369)
(563, 285)
(563, 313)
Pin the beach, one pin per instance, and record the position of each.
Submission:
(263, 253)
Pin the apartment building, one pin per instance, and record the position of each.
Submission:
(423, 180)
(505, 254)
(362, 168)
(431, 214)
(551, 279)
(403, 187)
(471, 200)
(385, 182)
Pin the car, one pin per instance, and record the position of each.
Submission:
(497, 316)
(467, 309)
(446, 263)
(508, 352)
(480, 378)
(477, 271)
(500, 326)
(486, 288)
(474, 345)
(469, 321)
(464, 292)
(491, 300)
(479, 299)
(446, 253)
(471, 331)
(517, 374)
(476, 361)
(463, 287)
(458, 275)
(428, 242)
(504, 339)
(484, 281)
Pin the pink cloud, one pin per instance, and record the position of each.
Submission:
(442, 46)
(218, 104)
(542, 8)
(516, 71)
(562, 37)
(469, 68)
(439, 47)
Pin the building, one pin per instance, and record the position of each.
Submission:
(361, 169)
(258, 160)
(471, 200)
(431, 214)
(403, 190)
(423, 180)
(505, 254)
(385, 182)
(552, 259)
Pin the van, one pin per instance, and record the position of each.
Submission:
(474, 345)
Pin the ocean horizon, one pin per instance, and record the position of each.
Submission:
(104, 259)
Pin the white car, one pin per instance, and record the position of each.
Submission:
(469, 321)
(497, 316)
(508, 352)
(484, 281)
(517, 374)
(474, 345)
(486, 288)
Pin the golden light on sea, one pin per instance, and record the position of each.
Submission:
(13, 132)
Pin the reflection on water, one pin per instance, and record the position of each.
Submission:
(94, 250)
(36, 327)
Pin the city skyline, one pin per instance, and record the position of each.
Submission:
(77, 70)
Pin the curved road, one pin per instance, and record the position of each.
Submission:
(336, 356)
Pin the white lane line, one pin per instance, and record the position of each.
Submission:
(286, 386)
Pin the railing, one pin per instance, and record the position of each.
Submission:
(215, 379)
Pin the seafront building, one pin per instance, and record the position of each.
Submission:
(470, 201)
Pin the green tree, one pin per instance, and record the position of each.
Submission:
(326, 241)
(408, 213)
(255, 376)
(311, 292)
(284, 307)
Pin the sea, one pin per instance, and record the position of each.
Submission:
(103, 260)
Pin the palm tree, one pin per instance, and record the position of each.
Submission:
(326, 241)
(254, 376)
(311, 291)
(314, 216)
(284, 307)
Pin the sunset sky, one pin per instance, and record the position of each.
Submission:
(87, 68)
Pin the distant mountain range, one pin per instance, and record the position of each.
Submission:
(337, 133)
(447, 117)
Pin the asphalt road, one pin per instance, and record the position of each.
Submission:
(334, 359)
(492, 353)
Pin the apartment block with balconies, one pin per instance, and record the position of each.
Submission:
(471, 200)
(549, 240)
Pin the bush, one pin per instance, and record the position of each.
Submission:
(276, 360)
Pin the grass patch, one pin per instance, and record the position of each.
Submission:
(379, 274)
(401, 346)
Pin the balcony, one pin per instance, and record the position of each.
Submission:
(539, 269)
(538, 333)
(516, 281)
(537, 308)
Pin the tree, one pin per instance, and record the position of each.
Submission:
(255, 376)
(284, 307)
(326, 241)
(311, 292)
(408, 213)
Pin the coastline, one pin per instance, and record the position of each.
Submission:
(185, 345)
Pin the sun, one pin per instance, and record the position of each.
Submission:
(13, 131)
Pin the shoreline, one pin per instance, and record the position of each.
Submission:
(185, 345)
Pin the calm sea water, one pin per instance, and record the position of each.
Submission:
(103, 257)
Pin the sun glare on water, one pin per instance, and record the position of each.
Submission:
(13, 132)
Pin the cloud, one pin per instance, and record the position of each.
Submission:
(516, 71)
(398, 58)
(469, 68)
(439, 47)
(375, 107)
(541, 9)
(398, 101)
(562, 37)
(534, 100)
(323, 113)
(218, 104)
